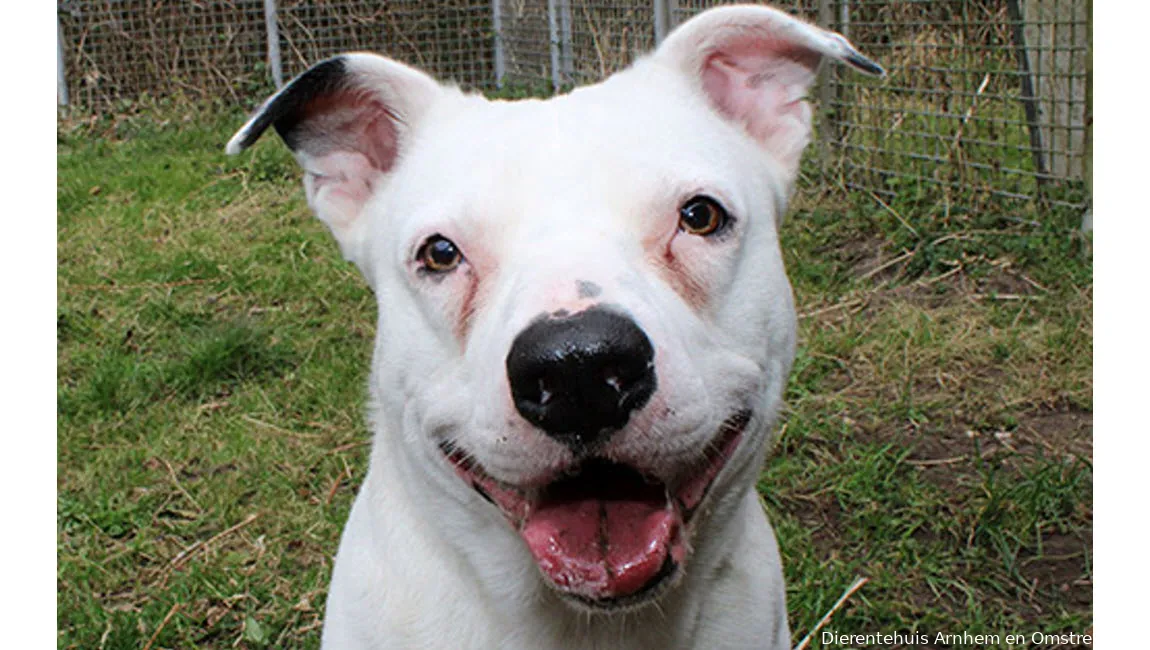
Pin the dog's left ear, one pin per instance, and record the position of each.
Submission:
(347, 120)
(755, 65)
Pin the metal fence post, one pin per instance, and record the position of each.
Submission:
(567, 59)
(553, 36)
(1088, 141)
(273, 29)
(826, 124)
(662, 13)
(841, 116)
(1029, 96)
(497, 27)
(61, 78)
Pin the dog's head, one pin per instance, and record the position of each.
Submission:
(584, 316)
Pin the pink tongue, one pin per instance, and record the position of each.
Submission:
(599, 548)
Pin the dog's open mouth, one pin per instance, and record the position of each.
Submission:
(607, 534)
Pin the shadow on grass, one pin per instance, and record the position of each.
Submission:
(219, 357)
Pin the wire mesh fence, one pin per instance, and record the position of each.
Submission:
(986, 94)
(990, 96)
(449, 39)
(116, 51)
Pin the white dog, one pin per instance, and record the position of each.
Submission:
(584, 332)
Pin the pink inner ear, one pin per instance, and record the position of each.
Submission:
(348, 140)
(760, 82)
(338, 184)
(350, 121)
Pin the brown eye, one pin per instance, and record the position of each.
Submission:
(702, 216)
(439, 255)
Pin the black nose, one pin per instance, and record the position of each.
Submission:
(579, 378)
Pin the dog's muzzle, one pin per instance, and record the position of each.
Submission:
(605, 532)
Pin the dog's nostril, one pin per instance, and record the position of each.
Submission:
(580, 378)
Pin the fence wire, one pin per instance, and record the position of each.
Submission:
(989, 95)
(448, 39)
(117, 51)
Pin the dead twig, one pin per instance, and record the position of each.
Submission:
(104, 636)
(1032, 283)
(187, 553)
(858, 583)
(278, 429)
(1003, 296)
(895, 214)
(931, 462)
(595, 41)
(347, 447)
(969, 112)
(939, 278)
(346, 471)
(176, 482)
(885, 265)
(822, 310)
(156, 634)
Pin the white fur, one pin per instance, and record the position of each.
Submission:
(538, 195)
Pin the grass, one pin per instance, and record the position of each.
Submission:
(212, 358)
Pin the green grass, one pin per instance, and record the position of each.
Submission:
(213, 350)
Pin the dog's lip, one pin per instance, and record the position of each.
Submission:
(691, 486)
(694, 488)
(519, 505)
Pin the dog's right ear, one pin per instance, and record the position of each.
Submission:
(755, 64)
(347, 120)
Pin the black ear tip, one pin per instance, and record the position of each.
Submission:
(283, 109)
(863, 64)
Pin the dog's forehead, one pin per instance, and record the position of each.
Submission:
(613, 146)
